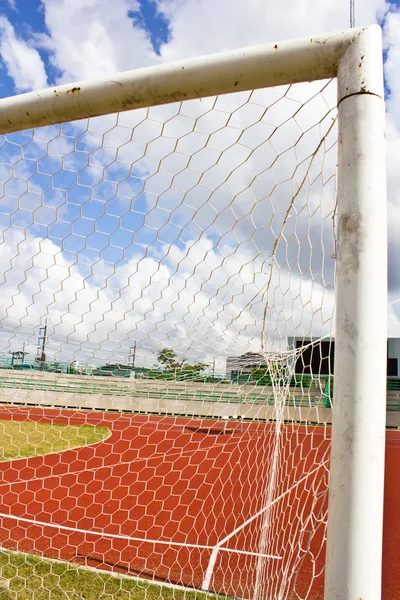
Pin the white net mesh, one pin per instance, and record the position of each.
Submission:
(175, 263)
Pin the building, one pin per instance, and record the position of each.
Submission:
(245, 363)
(319, 356)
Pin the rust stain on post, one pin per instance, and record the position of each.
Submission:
(73, 90)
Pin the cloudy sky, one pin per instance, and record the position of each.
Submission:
(207, 226)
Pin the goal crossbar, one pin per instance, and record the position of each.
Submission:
(283, 63)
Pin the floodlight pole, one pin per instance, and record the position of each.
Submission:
(355, 514)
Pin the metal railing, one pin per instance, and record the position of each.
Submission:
(307, 396)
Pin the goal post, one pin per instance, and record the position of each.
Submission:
(355, 514)
(354, 58)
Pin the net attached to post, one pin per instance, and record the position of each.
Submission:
(173, 269)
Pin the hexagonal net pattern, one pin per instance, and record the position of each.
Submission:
(172, 268)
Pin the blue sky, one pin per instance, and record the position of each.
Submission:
(150, 19)
(28, 18)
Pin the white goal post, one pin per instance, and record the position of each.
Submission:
(354, 538)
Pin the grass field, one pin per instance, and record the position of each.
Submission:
(34, 578)
(22, 439)
(31, 577)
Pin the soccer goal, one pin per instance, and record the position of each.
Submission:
(197, 251)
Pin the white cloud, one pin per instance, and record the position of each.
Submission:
(392, 67)
(155, 303)
(23, 62)
(176, 250)
(207, 26)
(209, 182)
(93, 38)
(392, 44)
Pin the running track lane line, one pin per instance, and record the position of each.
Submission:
(130, 538)
(218, 547)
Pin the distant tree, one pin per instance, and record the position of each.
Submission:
(262, 376)
(196, 369)
(167, 358)
(266, 375)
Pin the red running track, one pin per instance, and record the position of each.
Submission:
(159, 494)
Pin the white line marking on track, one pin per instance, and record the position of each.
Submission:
(126, 537)
(217, 547)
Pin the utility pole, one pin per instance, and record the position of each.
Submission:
(18, 357)
(41, 354)
(132, 355)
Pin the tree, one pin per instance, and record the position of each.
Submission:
(270, 373)
(197, 368)
(167, 358)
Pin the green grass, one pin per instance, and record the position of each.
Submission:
(22, 439)
(34, 578)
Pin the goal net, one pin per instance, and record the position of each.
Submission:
(167, 348)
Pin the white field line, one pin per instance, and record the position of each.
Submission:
(217, 547)
(114, 574)
(122, 537)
